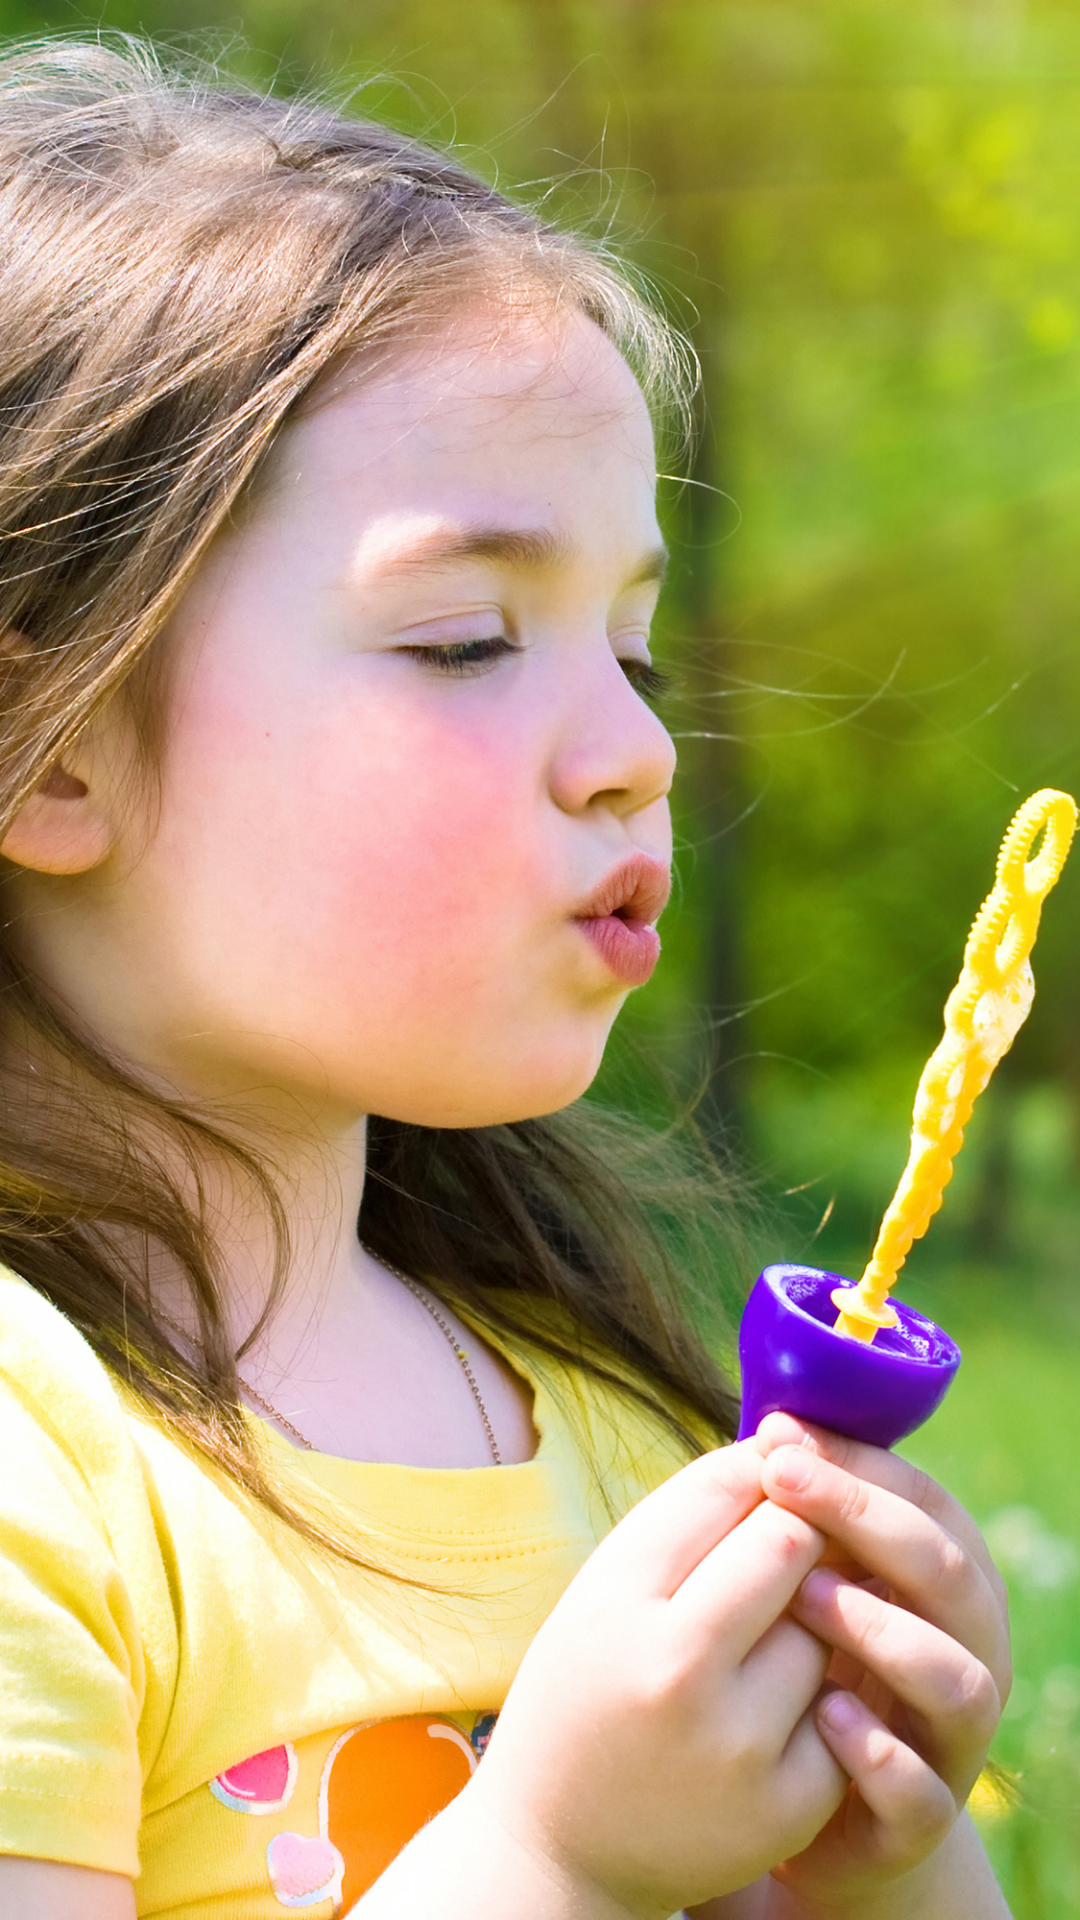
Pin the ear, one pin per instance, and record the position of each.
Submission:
(60, 828)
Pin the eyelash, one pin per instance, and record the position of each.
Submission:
(461, 657)
(651, 682)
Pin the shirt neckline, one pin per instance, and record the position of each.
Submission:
(320, 1463)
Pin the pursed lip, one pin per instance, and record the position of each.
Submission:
(617, 918)
(636, 891)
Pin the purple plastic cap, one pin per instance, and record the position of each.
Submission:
(793, 1362)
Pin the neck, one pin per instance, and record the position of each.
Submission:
(318, 1177)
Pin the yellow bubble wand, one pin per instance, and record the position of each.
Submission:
(983, 1015)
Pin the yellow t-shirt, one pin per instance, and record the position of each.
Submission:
(192, 1696)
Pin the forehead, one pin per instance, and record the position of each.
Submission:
(509, 401)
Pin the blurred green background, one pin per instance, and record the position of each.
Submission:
(867, 214)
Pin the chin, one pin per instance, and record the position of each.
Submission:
(499, 1100)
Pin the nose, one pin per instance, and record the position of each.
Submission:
(613, 752)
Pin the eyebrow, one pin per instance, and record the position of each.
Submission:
(525, 550)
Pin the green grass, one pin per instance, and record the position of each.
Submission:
(1007, 1443)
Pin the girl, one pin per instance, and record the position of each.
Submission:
(331, 789)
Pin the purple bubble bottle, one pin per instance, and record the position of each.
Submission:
(794, 1361)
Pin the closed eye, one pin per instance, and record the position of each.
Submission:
(463, 656)
(651, 682)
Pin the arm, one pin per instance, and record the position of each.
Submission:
(466, 1865)
(750, 1903)
(47, 1890)
(956, 1883)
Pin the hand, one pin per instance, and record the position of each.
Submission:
(659, 1743)
(916, 1614)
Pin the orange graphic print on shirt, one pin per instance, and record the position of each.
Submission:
(380, 1783)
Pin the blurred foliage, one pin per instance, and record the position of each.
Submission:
(868, 215)
(1001, 1443)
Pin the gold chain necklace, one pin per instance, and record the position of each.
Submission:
(445, 1329)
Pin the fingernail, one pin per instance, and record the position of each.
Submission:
(840, 1712)
(793, 1471)
(779, 1430)
(818, 1588)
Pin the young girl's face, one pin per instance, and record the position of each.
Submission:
(404, 749)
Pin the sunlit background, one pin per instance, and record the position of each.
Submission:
(867, 214)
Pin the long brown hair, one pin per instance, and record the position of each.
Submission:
(180, 261)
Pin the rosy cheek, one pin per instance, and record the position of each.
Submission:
(433, 814)
(395, 860)
(365, 831)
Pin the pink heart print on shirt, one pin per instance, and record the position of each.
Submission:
(303, 1871)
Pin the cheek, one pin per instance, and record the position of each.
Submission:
(367, 894)
(434, 839)
(362, 837)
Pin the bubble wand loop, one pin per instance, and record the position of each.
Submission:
(983, 1014)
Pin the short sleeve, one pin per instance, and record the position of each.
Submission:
(70, 1661)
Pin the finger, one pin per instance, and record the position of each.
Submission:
(663, 1538)
(909, 1810)
(809, 1770)
(898, 1542)
(787, 1664)
(952, 1693)
(736, 1592)
(884, 1470)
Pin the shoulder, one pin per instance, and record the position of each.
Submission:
(73, 1667)
(53, 1385)
(77, 1494)
(87, 1558)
